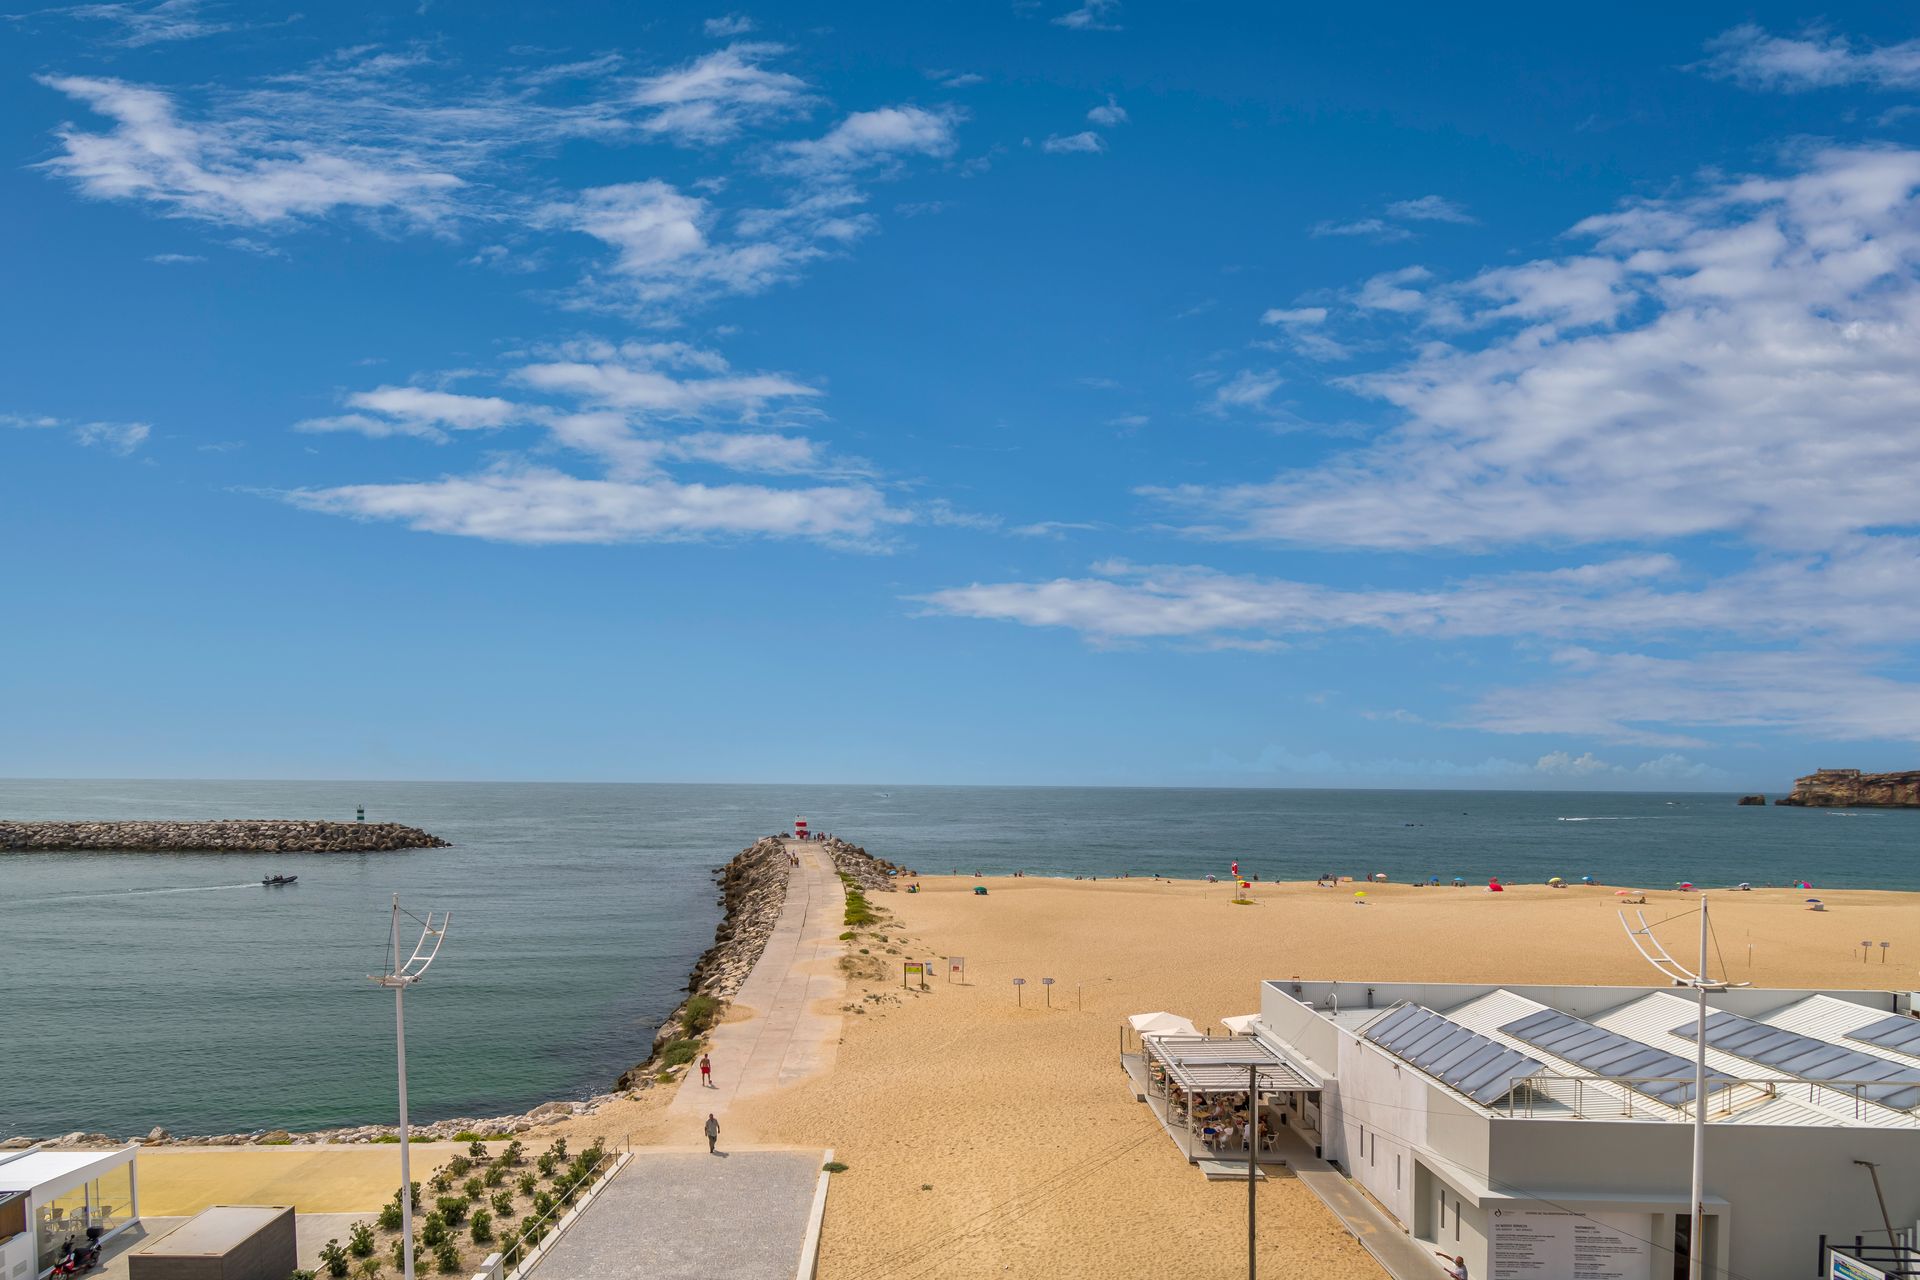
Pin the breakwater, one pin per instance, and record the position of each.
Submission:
(231, 835)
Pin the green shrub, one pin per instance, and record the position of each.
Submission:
(542, 1204)
(397, 1254)
(513, 1153)
(526, 1184)
(559, 1148)
(301, 1275)
(482, 1228)
(446, 1259)
(474, 1188)
(469, 1136)
(834, 1166)
(335, 1258)
(678, 1053)
(495, 1175)
(509, 1241)
(459, 1167)
(848, 936)
(390, 1215)
(370, 1268)
(388, 1137)
(452, 1209)
(858, 911)
(503, 1205)
(440, 1182)
(360, 1240)
(698, 1015)
(433, 1232)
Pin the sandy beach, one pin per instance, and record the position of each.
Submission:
(985, 1138)
(988, 1137)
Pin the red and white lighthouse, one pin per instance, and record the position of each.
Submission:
(800, 828)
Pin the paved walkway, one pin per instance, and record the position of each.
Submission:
(692, 1216)
(1392, 1248)
(793, 997)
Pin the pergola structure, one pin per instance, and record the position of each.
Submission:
(1198, 1066)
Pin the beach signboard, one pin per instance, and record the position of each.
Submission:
(1547, 1244)
(956, 964)
(1841, 1267)
(912, 969)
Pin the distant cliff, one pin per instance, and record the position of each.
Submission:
(246, 835)
(1852, 789)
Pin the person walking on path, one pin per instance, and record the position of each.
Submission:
(706, 1071)
(713, 1133)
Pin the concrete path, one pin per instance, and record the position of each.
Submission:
(792, 999)
(1396, 1252)
(691, 1216)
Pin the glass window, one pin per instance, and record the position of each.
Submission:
(57, 1221)
(113, 1199)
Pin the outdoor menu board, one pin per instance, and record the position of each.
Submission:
(1557, 1244)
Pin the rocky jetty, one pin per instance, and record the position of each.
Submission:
(1852, 789)
(870, 873)
(231, 835)
(1751, 800)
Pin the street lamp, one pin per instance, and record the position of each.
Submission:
(1253, 1066)
(400, 976)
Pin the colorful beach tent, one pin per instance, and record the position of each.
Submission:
(1162, 1023)
(1241, 1024)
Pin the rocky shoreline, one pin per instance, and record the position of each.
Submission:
(1852, 789)
(229, 835)
(753, 890)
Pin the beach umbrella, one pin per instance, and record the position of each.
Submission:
(1360, 897)
(1555, 880)
(1586, 879)
(1621, 893)
(1685, 884)
(1459, 879)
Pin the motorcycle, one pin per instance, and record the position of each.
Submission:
(76, 1258)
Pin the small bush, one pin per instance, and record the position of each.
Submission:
(389, 1137)
(559, 1148)
(678, 1053)
(546, 1164)
(335, 1259)
(441, 1182)
(542, 1204)
(301, 1275)
(513, 1154)
(390, 1215)
(477, 1148)
(509, 1241)
(433, 1232)
(496, 1174)
(459, 1167)
(482, 1228)
(370, 1268)
(858, 911)
(848, 936)
(526, 1184)
(503, 1205)
(698, 1015)
(452, 1209)
(360, 1240)
(474, 1188)
(834, 1166)
(446, 1259)
(468, 1135)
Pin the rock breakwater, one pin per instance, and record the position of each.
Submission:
(229, 835)
(1852, 789)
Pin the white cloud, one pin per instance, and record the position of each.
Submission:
(731, 24)
(122, 438)
(872, 139)
(1751, 57)
(414, 411)
(174, 259)
(1109, 114)
(1247, 389)
(1430, 209)
(1094, 15)
(1735, 362)
(154, 23)
(638, 386)
(1087, 143)
(1304, 331)
(540, 506)
(715, 96)
(1376, 228)
(234, 171)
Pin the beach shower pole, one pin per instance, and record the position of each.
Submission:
(400, 976)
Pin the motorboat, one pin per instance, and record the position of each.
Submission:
(270, 881)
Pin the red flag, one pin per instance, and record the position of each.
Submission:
(1236, 868)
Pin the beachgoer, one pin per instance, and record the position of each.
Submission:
(1456, 1266)
(713, 1132)
(706, 1072)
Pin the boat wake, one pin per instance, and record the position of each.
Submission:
(1619, 817)
(132, 893)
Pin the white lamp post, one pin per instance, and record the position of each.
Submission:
(400, 976)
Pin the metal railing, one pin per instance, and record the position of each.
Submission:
(1589, 1096)
(531, 1234)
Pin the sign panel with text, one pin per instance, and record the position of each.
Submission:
(1559, 1244)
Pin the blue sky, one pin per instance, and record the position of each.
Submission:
(1128, 394)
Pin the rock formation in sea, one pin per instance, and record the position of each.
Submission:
(1852, 789)
(1756, 799)
(232, 835)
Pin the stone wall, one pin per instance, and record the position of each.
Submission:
(234, 835)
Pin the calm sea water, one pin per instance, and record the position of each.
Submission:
(145, 989)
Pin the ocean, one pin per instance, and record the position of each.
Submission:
(170, 989)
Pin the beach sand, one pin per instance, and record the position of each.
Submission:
(988, 1139)
(985, 1138)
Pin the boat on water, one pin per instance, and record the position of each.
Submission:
(270, 881)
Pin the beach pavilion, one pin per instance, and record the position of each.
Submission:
(1187, 1080)
(49, 1197)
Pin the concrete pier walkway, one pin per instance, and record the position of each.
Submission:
(785, 1022)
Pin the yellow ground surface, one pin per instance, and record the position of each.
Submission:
(176, 1181)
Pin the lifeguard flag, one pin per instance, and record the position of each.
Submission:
(1245, 885)
(1236, 868)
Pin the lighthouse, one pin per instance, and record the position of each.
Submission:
(800, 828)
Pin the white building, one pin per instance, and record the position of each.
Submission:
(1544, 1132)
(49, 1197)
